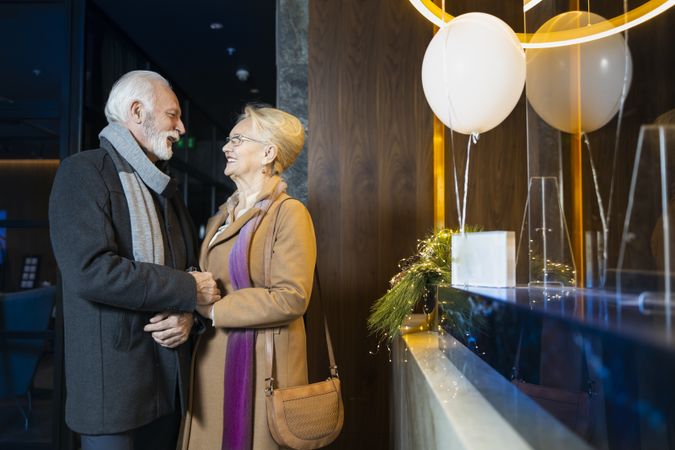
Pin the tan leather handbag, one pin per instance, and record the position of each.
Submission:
(308, 416)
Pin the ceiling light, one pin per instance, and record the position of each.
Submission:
(242, 74)
(635, 16)
(254, 91)
(216, 25)
(230, 50)
(529, 4)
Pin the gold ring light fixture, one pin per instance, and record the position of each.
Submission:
(635, 16)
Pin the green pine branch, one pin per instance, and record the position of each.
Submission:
(430, 265)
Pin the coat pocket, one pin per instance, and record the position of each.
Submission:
(129, 332)
(122, 337)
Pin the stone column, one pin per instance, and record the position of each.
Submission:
(291, 52)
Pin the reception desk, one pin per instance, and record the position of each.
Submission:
(462, 403)
(452, 388)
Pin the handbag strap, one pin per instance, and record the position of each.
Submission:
(269, 333)
(329, 342)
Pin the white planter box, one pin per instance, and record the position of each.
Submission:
(486, 258)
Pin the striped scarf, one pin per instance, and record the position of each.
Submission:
(138, 175)
(240, 357)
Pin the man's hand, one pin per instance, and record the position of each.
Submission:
(170, 329)
(207, 290)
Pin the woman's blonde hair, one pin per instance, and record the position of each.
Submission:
(279, 128)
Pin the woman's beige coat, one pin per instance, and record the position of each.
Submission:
(281, 308)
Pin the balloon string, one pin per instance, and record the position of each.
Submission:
(615, 155)
(454, 174)
(522, 222)
(449, 122)
(601, 208)
(619, 118)
(472, 139)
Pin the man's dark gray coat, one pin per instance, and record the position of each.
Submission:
(117, 377)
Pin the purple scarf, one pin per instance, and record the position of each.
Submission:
(240, 357)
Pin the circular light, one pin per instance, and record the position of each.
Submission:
(635, 16)
(529, 4)
(216, 26)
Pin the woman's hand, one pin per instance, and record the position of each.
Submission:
(170, 329)
(205, 311)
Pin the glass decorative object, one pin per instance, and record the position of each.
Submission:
(647, 253)
(549, 253)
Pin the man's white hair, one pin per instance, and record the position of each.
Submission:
(137, 85)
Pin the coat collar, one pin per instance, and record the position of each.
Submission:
(233, 228)
(227, 210)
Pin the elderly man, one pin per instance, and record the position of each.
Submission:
(123, 240)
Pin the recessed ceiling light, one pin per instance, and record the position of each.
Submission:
(216, 25)
(37, 72)
(254, 90)
(242, 74)
(230, 50)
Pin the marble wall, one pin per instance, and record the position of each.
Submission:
(291, 41)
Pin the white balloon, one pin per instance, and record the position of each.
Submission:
(578, 87)
(473, 72)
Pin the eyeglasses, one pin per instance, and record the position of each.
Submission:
(237, 140)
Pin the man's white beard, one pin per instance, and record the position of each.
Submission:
(158, 140)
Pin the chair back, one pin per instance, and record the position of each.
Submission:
(24, 321)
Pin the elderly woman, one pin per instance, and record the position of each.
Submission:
(227, 402)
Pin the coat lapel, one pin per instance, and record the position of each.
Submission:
(214, 223)
(211, 227)
(221, 216)
(235, 226)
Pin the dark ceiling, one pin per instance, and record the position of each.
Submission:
(31, 78)
(176, 36)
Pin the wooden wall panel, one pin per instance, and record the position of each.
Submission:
(651, 95)
(498, 167)
(370, 172)
(370, 185)
(497, 190)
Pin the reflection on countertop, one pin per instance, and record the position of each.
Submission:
(602, 364)
(635, 316)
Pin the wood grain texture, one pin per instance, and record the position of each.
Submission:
(370, 185)
(499, 164)
(497, 189)
(651, 94)
(370, 171)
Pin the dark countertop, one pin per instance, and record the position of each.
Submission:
(618, 351)
(642, 317)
